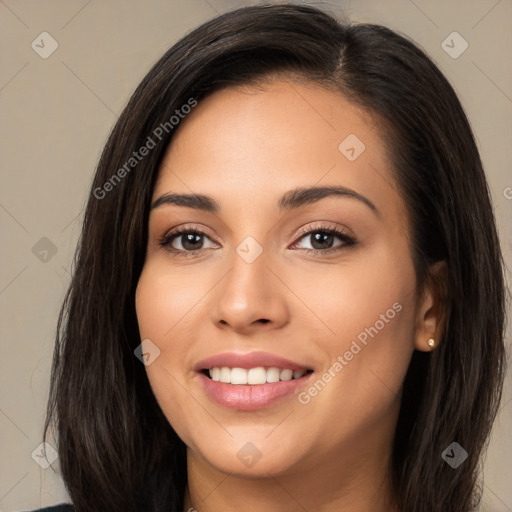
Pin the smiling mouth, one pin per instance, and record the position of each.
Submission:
(253, 376)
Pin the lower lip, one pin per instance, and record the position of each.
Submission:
(250, 397)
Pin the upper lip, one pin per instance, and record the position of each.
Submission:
(248, 360)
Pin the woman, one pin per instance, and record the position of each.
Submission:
(288, 292)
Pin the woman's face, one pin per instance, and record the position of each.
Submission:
(268, 288)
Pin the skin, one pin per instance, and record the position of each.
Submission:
(245, 147)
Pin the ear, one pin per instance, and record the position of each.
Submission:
(432, 308)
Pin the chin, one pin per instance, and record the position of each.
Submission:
(255, 459)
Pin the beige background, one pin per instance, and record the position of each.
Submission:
(56, 114)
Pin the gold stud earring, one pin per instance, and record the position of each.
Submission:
(431, 342)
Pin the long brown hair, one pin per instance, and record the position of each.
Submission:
(117, 450)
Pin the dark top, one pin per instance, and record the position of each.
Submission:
(64, 507)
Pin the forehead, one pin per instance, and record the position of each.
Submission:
(256, 142)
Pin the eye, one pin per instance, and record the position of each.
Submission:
(186, 241)
(189, 241)
(322, 239)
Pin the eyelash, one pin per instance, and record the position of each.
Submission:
(166, 240)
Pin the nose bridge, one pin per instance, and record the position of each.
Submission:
(247, 281)
(249, 292)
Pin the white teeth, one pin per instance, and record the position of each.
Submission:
(253, 376)
(256, 376)
(225, 375)
(273, 375)
(297, 374)
(286, 374)
(238, 376)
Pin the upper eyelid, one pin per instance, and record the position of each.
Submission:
(302, 231)
(324, 227)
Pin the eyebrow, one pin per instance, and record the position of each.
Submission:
(290, 200)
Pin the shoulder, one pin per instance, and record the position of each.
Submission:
(64, 507)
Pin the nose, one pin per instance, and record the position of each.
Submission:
(250, 298)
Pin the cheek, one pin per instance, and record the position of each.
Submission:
(373, 290)
(169, 311)
(368, 311)
(164, 305)
(164, 299)
(374, 323)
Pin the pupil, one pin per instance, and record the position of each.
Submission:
(189, 239)
(324, 240)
